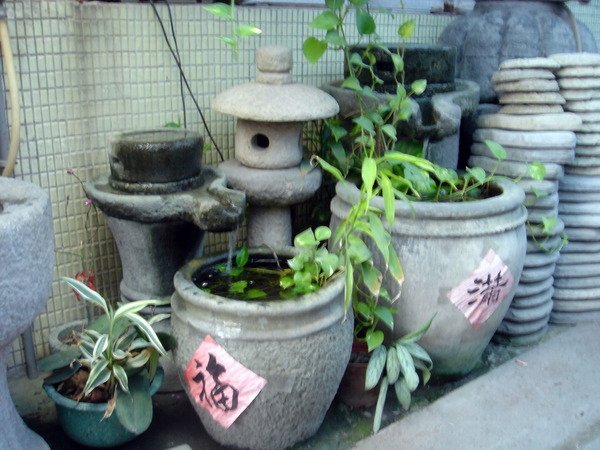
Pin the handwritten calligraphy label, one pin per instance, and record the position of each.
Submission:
(483, 291)
(220, 384)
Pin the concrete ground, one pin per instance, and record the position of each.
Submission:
(544, 397)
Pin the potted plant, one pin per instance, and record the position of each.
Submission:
(450, 232)
(287, 337)
(64, 336)
(102, 389)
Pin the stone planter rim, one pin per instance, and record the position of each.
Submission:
(271, 308)
(178, 133)
(464, 96)
(213, 302)
(173, 206)
(504, 202)
(16, 192)
(55, 334)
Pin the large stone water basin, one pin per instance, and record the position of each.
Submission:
(27, 260)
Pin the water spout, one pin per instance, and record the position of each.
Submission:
(232, 241)
(218, 208)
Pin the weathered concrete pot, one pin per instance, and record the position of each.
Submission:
(434, 63)
(440, 245)
(437, 118)
(300, 346)
(497, 30)
(27, 260)
(60, 337)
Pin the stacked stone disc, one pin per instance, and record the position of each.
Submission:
(532, 127)
(577, 274)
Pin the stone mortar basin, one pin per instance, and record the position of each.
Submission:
(434, 63)
(155, 161)
(27, 261)
(435, 118)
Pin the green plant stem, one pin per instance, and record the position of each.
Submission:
(268, 271)
(109, 350)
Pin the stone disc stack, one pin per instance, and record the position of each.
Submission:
(577, 274)
(532, 127)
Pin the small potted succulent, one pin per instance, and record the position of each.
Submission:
(102, 388)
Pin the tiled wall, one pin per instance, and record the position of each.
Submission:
(89, 69)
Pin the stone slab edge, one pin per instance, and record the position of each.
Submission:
(513, 397)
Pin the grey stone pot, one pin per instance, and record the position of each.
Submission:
(512, 169)
(58, 335)
(577, 283)
(437, 119)
(27, 260)
(580, 247)
(543, 245)
(434, 63)
(300, 346)
(572, 318)
(439, 246)
(533, 300)
(498, 30)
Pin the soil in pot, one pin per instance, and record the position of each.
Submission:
(73, 388)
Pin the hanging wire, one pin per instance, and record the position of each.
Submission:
(179, 59)
(184, 78)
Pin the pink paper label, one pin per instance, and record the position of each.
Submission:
(483, 291)
(220, 384)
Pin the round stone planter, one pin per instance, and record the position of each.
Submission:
(498, 30)
(83, 421)
(300, 346)
(443, 248)
(27, 260)
(436, 118)
(60, 338)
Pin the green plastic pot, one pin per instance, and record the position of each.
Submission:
(83, 422)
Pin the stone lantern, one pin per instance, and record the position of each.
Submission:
(270, 113)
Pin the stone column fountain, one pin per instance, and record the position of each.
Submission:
(159, 200)
(268, 144)
(27, 260)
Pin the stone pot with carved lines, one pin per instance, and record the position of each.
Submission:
(260, 374)
(462, 262)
